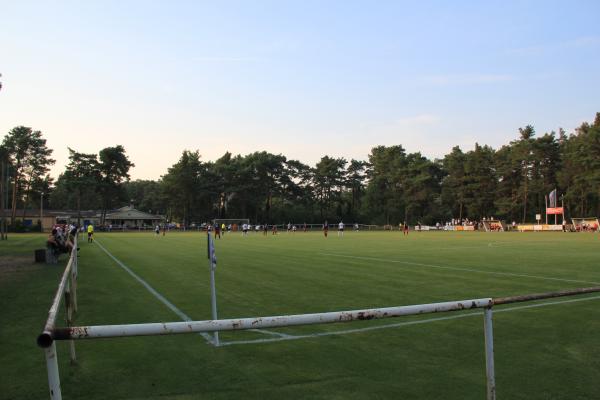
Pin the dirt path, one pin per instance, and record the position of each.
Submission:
(11, 266)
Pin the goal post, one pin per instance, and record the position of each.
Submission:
(235, 223)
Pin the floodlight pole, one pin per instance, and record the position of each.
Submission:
(213, 289)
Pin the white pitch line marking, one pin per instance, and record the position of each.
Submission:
(167, 303)
(266, 332)
(407, 323)
(461, 269)
(153, 291)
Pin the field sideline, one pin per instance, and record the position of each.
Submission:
(543, 350)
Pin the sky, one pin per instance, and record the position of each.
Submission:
(300, 78)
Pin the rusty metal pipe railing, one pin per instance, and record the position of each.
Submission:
(46, 337)
(542, 296)
(66, 287)
(51, 333)
(170, 328)
(167, 328)
(69, 276)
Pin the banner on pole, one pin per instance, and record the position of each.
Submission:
(552, 199)
(212, 256)
(555, 210)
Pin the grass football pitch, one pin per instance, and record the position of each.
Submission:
(543, 350)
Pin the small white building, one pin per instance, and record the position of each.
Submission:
(129, 217)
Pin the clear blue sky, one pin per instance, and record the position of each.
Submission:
(299, 78)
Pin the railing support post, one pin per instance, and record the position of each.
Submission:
(489, 353)
(53, 376)
(74, 273)
(213, 301)
(69, 319)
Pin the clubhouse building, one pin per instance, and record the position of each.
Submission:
(122, 218)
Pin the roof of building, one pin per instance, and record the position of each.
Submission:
(124, 213)
(129, 212)
(35, 212)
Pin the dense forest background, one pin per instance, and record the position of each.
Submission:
(389, 187)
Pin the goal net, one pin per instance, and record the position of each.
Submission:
(231, 224)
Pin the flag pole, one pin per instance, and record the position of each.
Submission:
(546, 198)
(562, 204)
(212, 264)
(555, 216)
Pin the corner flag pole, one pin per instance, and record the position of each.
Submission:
(212, 264)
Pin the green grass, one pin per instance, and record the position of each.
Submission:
(550, 352)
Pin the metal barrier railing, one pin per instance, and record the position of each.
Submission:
(68, 288)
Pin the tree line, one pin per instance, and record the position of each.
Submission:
(390, 187)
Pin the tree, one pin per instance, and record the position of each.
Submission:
(420, 180)
(509, 176)
(580, 174)
(328, 180)
(523, 153)
(30, 160)
(297, 191)
(263, 176)
(182, 186)
(114, 169)
(227, 182)
(355, 183)
(454, 188)
(3, 190)
(391, 187)
(481, 182)
(82, 177)
(384, 195)
(146, 195)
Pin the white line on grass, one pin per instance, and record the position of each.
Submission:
(283, 335)
(170, 305)
(461, 269)
(159, 296)
(407, 323)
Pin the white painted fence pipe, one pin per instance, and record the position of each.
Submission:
(53, 312)
(169, 328)
(489, 353)
(213, 287)
(53, 375)
(213, 301)
(74, 273)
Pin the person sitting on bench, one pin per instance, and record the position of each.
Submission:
(58, 243)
